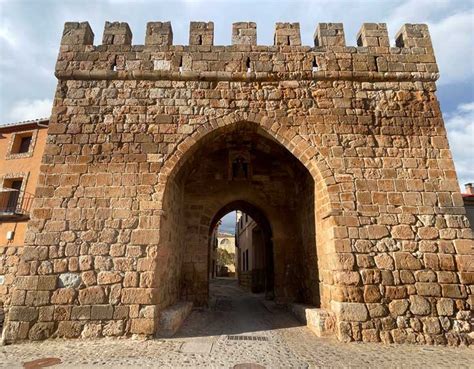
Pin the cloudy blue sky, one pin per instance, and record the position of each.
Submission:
(30, 32)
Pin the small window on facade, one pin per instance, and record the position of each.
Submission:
(240, 168)
(25, 143)
(247, 259)
(12, 198)
(21, 145)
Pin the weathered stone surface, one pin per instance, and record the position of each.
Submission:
(69, 280)
(428, 289)
(108, 277)
(351, 312)
(91, 330)
(398, 307)
(405, 260)
(113, 328)
(138, 296)
(69, 329)
(63, 296)
(402, 232)
(318, 320)
(92, 295)
(41, 331)
(143, 326)
(445, 307)
(377, 231)
(431, 326)
(419, 305)
(101, 312)
(172, 318)
(384, 261)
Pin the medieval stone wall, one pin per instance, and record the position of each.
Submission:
(394, 248)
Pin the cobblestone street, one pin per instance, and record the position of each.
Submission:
(237, 329)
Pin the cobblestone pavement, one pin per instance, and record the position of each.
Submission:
(236, 329)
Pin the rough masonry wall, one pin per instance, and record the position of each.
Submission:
(395, 251)
(308, 273)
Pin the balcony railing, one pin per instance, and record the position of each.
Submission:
(14, 203)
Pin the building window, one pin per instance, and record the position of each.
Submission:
(225, 241)
(240, 169)
(247, 260)
(239, 165)
(25, 143)
(12, 193)
(21, 145)
(13, 196)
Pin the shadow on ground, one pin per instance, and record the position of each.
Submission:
(233, 311)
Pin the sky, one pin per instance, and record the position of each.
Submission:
(228, 223)
(30, 32)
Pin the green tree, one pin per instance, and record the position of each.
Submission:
(225, 257)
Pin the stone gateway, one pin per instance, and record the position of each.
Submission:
(339, 152)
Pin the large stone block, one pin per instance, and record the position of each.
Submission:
(144, 296)
(244, 33)
(77, 34)
(116, 33)
(173, 317)
(318, 320)
(143, 326)
(92, 295)
(419, 305)
(329, 34)
(201, 33)
(350, 312)
(287, 34)
(158, 33)
(405, 260)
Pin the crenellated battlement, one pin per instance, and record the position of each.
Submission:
(412, 57)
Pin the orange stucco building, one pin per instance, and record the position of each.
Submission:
(21, 148)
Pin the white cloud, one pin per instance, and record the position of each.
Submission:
(454, 47)
(418, 11)
(451, 28)
(228, 223)
(460, 127)
(8, 35)
(30, 109)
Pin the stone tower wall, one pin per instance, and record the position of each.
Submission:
(395, 252)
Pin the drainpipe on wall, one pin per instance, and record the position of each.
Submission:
(42, 125)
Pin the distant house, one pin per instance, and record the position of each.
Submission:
(21, 150)
(468, 198)
(251, 253)
(224, 242)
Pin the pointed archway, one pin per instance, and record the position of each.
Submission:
(204, 180)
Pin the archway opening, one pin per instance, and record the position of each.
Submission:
(253, 248)
(223, 259)
(241, 168)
